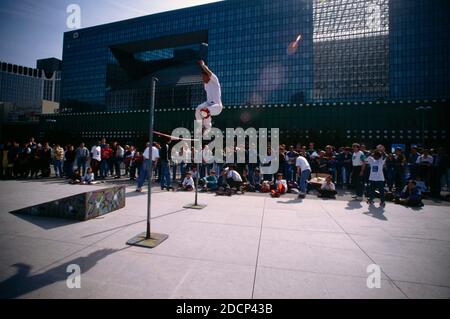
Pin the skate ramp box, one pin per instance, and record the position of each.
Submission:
(82, 206)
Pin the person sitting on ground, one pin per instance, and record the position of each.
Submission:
(222, 185)
(423, 189)
(210, 182)
(328, 189)
(89, 178)
(410, 196)
(279, 186)
(75, 178)
(188, 183)
(234, 179)
(245, 183)
(257, 180)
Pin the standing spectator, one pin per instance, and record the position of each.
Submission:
(145, 172)
(13, 160)
(266, 162)
(330, 157)
(282, 163)
(59, 158)
(106, 155)
(399, 169)
(311, 155)
(46, 159)
(69, 161)
(82, 156)
(32, 143)
(36, 161)
(164, 159)
(135, 164)
(390, 171)
(345, 164)
(96, 158)
(291, 157)
(358, 163)
(425, 161)
(376, 178)
(128, 156)
(303, 174)
(4, 159)
(412, 163)
(119, 153)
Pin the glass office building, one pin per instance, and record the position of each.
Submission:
(369, 52)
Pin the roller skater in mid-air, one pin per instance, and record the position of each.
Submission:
(213, 105)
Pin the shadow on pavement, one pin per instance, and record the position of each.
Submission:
(353, 204)
(376, 212)
(46, 222)
(23, 282)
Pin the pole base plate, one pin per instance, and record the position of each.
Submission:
(195, 206)
(154, 241)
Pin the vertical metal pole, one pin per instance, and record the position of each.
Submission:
(150, 162)
(196, 184)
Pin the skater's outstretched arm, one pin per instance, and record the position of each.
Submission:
(205, 68)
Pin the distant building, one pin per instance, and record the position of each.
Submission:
(360, 72)
(28, 90)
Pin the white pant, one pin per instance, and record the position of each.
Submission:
(214, 110)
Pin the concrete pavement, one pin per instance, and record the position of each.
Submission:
(239, 247)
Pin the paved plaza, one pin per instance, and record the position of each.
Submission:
(247, 246)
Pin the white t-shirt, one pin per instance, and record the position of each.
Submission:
(282, 181)
(358, 158)
(302, 163)
(213, 91)
(328, 187)
(188, 181)
(423, 159)
(234, 175)
(376, 169)
(96, 153)
(155, 153)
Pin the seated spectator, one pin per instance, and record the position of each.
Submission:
(420, 184)
(245, 183)
(210, 182)
(222, 185)
(75, 178)
(279, 186)
(188, 183)
(265, 187)
(257, 180)
(328, 189)
(89, 178)
(410, 196)
(234, 179)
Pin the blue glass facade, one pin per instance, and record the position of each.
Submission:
(352, 50)
(360, 71)
(247, 49)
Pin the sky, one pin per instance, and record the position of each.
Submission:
(33, 29)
